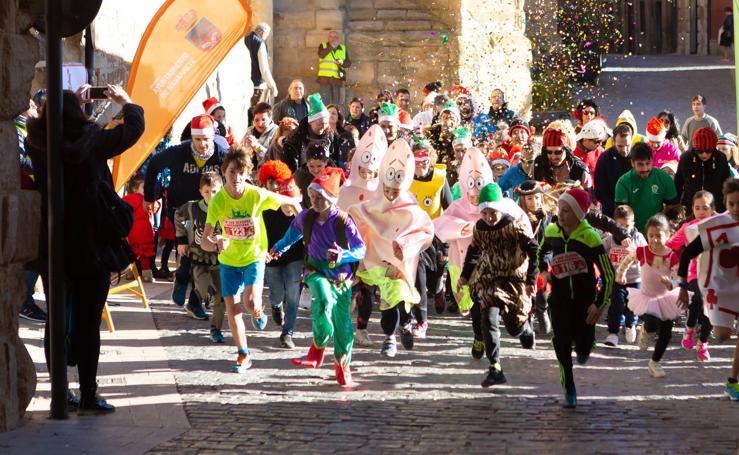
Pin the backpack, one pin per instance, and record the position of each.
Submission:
(341, 239)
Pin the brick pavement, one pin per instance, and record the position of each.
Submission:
(429, 400)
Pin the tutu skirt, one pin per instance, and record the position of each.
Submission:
(663, 306)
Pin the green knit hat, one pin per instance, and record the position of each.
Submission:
(462, 135)
(388, 113)
(316, 108)
(490, 197)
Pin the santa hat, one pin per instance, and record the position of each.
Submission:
(458, 91)
(202, 125)
(430, 98)
(671, 165)
(578, 200)
(405, 120)
(327, 183)
(656, 130)
(290, 188)
(211, 104)
(519, 123)
(704, 139)
(389, 112)
(553, 138)
(273, 169)
(316, 109)
(462, 135)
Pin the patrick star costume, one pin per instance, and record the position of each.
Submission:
(369, 153)
(455, 225)
(387, 226)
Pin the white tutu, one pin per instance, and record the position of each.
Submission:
(664, 306)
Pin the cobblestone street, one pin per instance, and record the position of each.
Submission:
(429, 400)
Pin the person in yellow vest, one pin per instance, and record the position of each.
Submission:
(333, 60)
(431, 190)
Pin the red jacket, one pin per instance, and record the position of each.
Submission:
(589, 158)
(141, 237)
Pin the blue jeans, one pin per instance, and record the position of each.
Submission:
(31, 277)
(619, 313)
(284, 286)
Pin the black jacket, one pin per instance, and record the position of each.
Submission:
(694, 174)
(85, 159)
(184, 173)
(609, 168)
(289, 108)
(362, 123)
(294, 146)
(543, 171)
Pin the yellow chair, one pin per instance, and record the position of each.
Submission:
(135, 287)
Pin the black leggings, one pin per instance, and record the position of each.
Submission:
(696, 313)
(486, 326)
(85, 300)
(653, 324)
(568, 324)
(394, 316)
(364, 296)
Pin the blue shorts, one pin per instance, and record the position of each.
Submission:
(235, 279)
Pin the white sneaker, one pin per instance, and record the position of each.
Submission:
(362, 338)
(630, 335)
(655, 369)
(642, 339)
(611, 340)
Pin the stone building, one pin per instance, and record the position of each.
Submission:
(392, 43)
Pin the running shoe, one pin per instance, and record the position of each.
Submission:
(655, 369)
(243, 362)
(162, 274)
(582, 359)
(703, 354)
(406, 337)
(478, 349)
(286, 341)
(495, 376)
(259, 319)
(362, 338)
(570, 400)
(419, 330)
(642, 338)
(688, 341)
(196, 310)
(179, 293)
(389, 347)
(732, 390)
(440, 301)
(630, 335)
(611, 340)
(527, 340)
(94, 406)
(32, 312)
(146, 276)
(277, 315)
(216, 335)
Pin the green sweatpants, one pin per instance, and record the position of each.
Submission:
(330, 313)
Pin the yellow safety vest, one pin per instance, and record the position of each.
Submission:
(428, 193)
(327, 66)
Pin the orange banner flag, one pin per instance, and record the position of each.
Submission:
(182, 46)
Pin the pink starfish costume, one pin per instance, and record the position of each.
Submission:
(369, 153)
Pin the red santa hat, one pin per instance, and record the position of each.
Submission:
(290, 188)
(211, 104)
(328, 182)
(578, 200)
(656, 130)
(203, 125)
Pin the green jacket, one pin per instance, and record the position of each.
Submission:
(571, 264)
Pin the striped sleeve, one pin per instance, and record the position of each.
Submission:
(607, 275)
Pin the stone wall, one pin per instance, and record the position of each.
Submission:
(19, 210)
(684, 18)
(408, 43)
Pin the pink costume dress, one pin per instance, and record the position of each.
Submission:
(653, 297)
(369, 153)
(668, 152)
(383, 223)
(474, 174)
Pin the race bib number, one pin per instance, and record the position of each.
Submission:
(618, 254)
(239, 228)
(568, 264)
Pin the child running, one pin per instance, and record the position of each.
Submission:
(189, 223)
(242, 248)
(573, 249)
(332, 246)
(500, 266)
(141, 238)
(656, 299)
(718, 240)
(703, 207)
